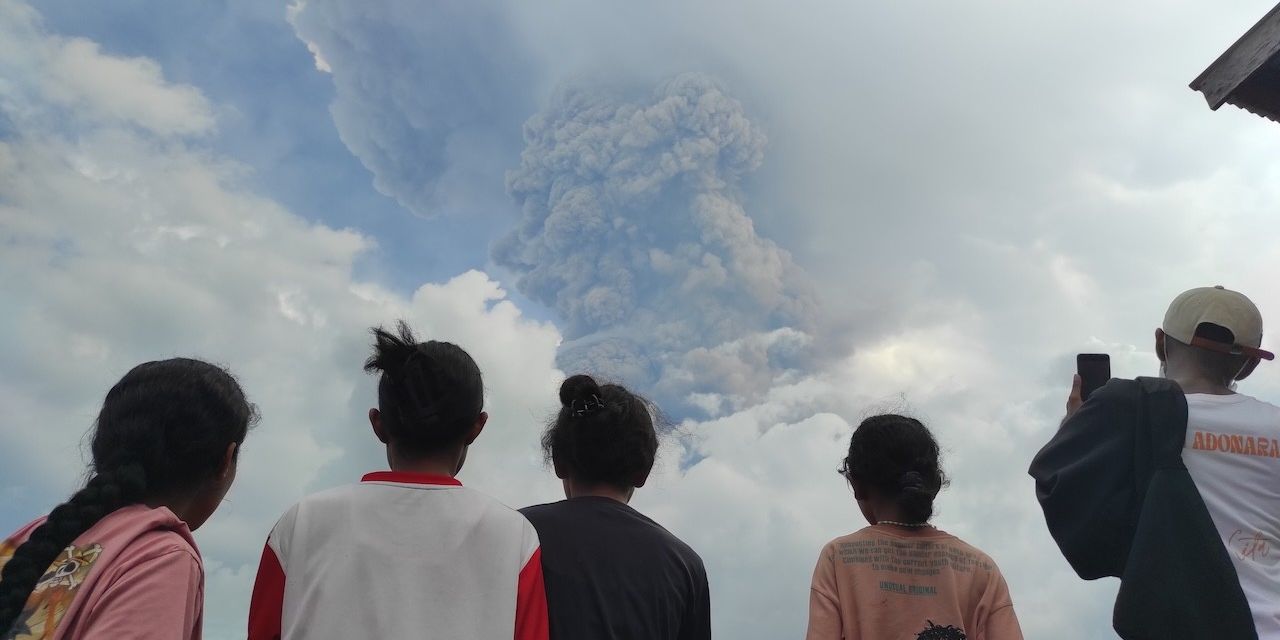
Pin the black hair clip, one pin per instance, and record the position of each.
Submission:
(911, 480)
(583, 407)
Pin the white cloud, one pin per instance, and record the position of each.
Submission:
(81, 77)
(89, 84)
(764, 496)
(127, 241)
(292, 11)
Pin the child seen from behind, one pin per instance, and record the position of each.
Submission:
(410, 552)
(902, 577)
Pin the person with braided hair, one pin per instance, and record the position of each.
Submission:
(410, 552)
(117, 559)
(611, 572)
(902, 577)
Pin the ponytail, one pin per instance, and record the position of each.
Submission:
(915, 495)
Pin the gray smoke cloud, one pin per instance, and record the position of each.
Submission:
(634, 230)
(429, 98)
(632, 226)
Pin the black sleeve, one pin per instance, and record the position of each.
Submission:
(696, 624)
(1085, 481)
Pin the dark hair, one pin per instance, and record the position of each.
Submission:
(430, 393)
(898, 457)
(164, 428)
(602, 434)
(1216, 365)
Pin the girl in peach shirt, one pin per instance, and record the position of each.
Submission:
(902, 578)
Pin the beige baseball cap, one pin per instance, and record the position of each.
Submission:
(1228, 309)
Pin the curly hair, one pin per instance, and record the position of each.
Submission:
(898, 457)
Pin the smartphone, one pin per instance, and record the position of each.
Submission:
(1094, 370)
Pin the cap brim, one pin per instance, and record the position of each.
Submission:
(1233, 349)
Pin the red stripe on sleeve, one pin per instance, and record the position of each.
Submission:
(267, 603)
(531, 601)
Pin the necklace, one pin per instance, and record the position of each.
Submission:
(909, 525)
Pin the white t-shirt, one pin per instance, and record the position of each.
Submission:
(400, 555)
(1233, 454)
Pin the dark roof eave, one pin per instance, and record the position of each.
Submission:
(1241, 60)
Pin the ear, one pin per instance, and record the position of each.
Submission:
(1160, 345)
(1248, 368)
(561, 472)
(228, 465)
(477, 428)
(375, 420)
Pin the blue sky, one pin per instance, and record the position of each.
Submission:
(774, 219)
(274, 117)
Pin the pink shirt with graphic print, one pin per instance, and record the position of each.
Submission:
(135, 574)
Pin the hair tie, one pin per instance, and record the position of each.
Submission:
(582, 407)
(911, 480)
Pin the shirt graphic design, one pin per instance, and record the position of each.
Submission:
(53, 593)
(890, 583)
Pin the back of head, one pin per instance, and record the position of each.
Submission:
(1223, 329)
(429, 394)
(603, 434)
(899, 458)
(1220, 367)
(163, 432)
(170, 421)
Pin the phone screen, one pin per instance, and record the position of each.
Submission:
(1094, 370)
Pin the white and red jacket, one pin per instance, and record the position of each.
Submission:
(400, 555)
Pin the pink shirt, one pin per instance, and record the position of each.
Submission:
(885, 583)
(135, 575)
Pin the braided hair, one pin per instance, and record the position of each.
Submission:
(164, 428)
(602, 434)
(898, 457)
(430, 394)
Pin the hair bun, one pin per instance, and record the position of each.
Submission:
(580, 388)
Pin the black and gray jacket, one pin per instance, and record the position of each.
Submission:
(1119, 502)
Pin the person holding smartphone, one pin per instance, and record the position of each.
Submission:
(1172, 484)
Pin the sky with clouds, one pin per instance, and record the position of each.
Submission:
(773, 218)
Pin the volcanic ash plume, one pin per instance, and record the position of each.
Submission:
(633, 230)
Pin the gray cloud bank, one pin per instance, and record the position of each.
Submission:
(428, 97)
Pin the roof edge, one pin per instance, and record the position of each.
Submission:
(1240, 60)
